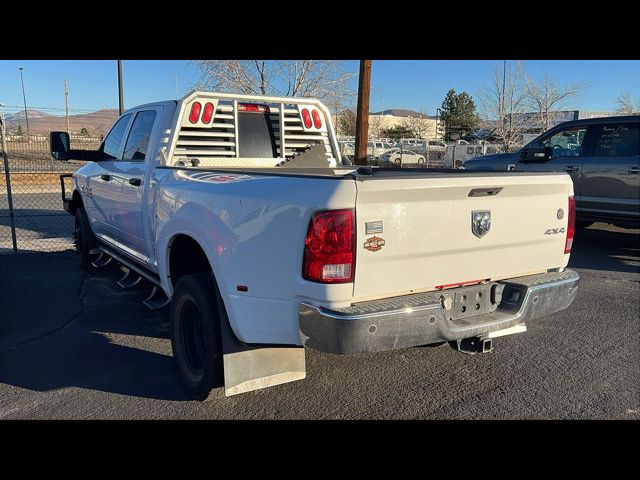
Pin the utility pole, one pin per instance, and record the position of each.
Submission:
(362, 119)
(120, 94)
(66, 105)
(24, 97)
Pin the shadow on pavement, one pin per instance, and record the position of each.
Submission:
(89, 360)
(63, 328)
(602, 247)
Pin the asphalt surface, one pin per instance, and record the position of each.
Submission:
(75, 346)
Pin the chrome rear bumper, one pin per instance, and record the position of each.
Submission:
(423, 318)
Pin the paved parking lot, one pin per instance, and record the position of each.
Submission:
(74, 345)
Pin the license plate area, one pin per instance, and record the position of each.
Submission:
(473, 300)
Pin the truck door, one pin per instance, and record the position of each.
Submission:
(127, 204)
(566, 155)
(97, 196)
(610, 177)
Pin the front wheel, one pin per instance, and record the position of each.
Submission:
(195, 334)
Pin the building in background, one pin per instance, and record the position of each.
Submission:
(423, 126)
(534, 124)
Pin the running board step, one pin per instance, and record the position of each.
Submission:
(101, 261)
(125, 282)
(156, 299)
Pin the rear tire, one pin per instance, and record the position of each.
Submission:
(84, 239)
(195, 334)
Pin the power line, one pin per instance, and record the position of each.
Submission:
(17, 107)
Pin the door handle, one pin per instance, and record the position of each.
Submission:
(136, 182)
(571, 168)
(105, 177)
(632, 170)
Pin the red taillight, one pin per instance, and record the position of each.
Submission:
(253, 107)
(208, 112)
(194, 115)
(329, 247)
(317, 121)
(306, 118)
(571, 225)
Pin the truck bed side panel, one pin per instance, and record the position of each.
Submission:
(252, 229)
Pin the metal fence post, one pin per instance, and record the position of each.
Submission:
(5, 158)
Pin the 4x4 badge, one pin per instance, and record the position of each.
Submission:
(374, 244)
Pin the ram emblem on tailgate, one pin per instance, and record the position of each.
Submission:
(480, 222)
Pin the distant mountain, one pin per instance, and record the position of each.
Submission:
(19, 116)
(402, 112)
(40, 122)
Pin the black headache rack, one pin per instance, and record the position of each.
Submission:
(66, 202)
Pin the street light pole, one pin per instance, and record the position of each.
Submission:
(24, 97)
(120, 93)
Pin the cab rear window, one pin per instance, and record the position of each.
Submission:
(256, 135)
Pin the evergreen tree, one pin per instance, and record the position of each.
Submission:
(397, 132)
(458, 114)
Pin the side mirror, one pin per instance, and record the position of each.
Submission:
(535, 152)
(60, 145)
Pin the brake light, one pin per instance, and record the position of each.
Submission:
(571, 224)
(253, 107)
(329, 247)
(306, 118)
(317, 121)
(208, 112)
(194, 115)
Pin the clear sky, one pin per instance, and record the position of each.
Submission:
(417, 85)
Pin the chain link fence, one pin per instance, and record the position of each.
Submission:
(32, 218)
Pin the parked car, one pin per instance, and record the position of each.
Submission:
(261, 244)
(397, 156)
(376, 148)
(348, 150)
(437, 145)
(600, 154)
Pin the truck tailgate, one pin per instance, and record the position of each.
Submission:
(414, 232)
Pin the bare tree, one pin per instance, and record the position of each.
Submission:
(346, 124)
(376, 124)
(418, 124)
(323, 79)
(503, 105)
(626, 105)
(544, 95)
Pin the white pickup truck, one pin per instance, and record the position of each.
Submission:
(238, 211)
